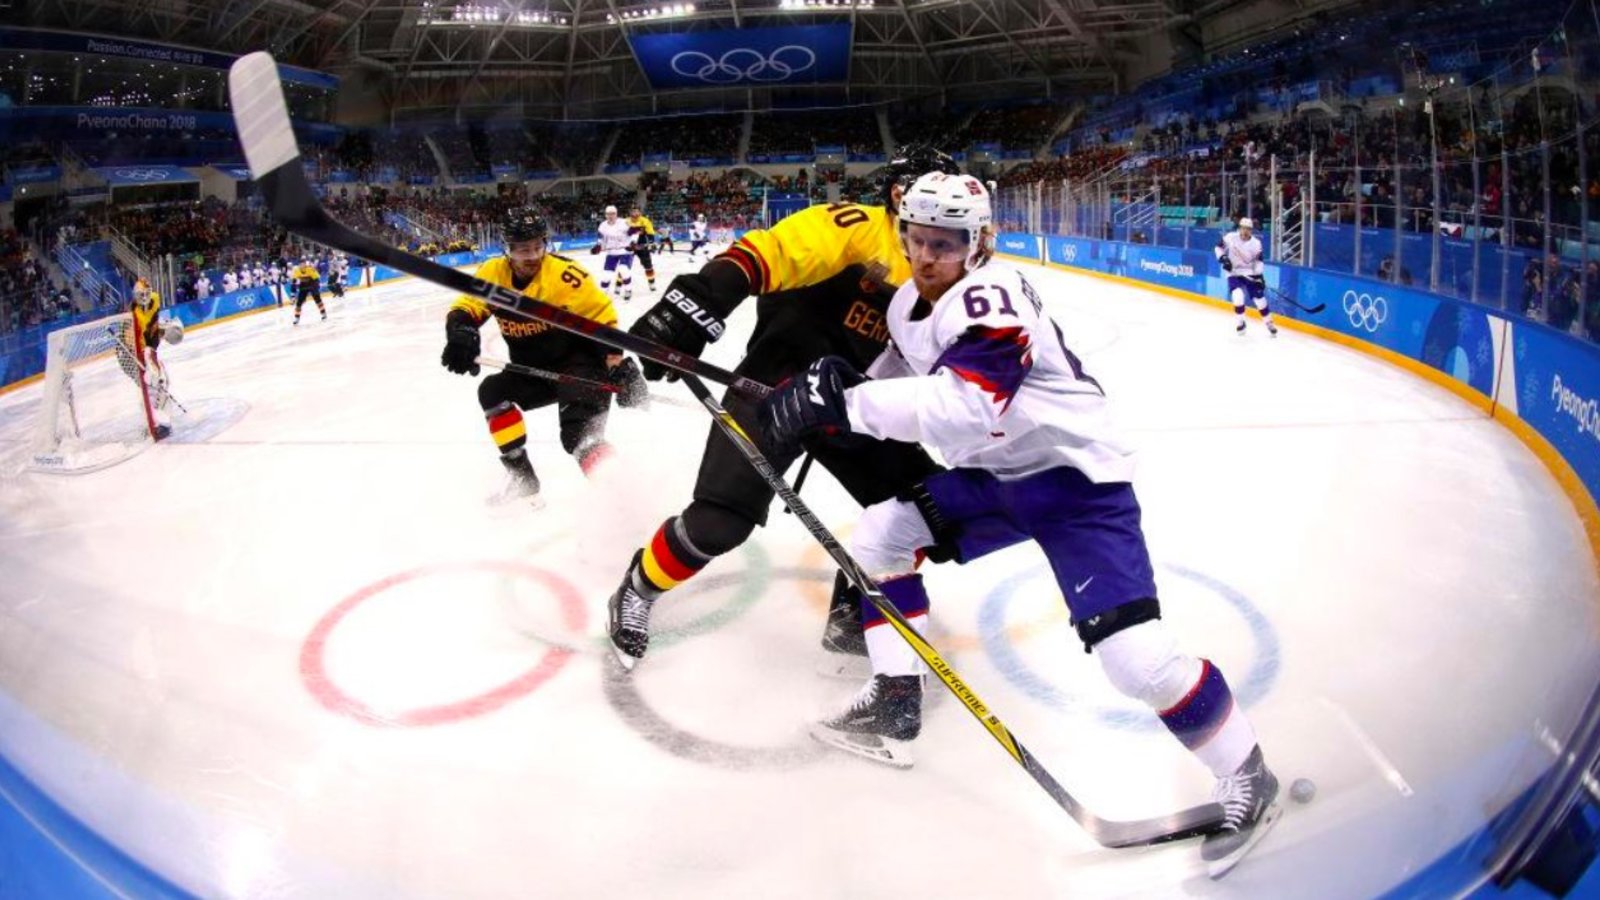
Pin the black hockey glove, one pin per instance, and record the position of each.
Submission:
(462, 344)
(632, 392)
(1258, 280)
(683, 319)
(1227, 264)
(809, 405)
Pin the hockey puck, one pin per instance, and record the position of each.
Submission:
(1303, 790)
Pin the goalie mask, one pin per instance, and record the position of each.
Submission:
(958, 205)
(912, 162)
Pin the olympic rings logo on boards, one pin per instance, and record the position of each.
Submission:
(141, 174)
(744, 64)
(1365, 311)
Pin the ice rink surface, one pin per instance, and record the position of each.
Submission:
(292, 652)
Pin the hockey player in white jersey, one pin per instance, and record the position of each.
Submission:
(202, 287)
(617, 244)
(1239, 252)
(247, 279)
(275, 279)
(230, 282)
(259, 274)
(977, 370)
(339, 273)
(698, 233)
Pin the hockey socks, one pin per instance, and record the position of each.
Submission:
(669, 559)
(1206, 722)
(507, 428)
(890, 654)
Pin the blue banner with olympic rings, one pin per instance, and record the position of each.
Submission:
(802, 54)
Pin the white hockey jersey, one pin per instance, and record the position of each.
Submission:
(275, 274)
(202, 287)
(246, 279)
(986, 379)
(697, 231)
(1244, 255)
(259, 274)
(230, 282)
(614, 237)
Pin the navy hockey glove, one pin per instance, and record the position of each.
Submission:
(632, 392)
(682, 320)
(809, 405)
(462, 344)
(1227, 264)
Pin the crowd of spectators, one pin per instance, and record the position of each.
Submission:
(685, 137)
(802, 132)
(28, 296)
(1014, 127)
(729, 200)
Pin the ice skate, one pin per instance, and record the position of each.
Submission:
(1240, 330)
(844, 642)
(1272, 329)
(1249, 799)
(881, 723)
(630, 619)
(521, 488)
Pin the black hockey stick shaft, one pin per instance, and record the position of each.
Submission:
(265, 132)
(1280, 295)
(546, 374)
(1192, 822)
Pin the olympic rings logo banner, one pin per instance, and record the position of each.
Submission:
(748, 57)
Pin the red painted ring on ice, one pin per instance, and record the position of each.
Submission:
(314, 672)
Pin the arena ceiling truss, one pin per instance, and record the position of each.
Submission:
(575, 57)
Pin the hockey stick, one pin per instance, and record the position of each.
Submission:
(1192, 822)
(560, 378)
(262, 117)
(1280, 295)
(134, 355)
(268, 141)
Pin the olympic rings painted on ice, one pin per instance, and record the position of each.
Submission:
(744, 64)
(1248, 689)
(622, 692)
(314, 672)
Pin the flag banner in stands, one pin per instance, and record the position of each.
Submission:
(802, 54)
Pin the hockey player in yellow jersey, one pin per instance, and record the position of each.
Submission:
(824, 277)
(643, 232)
(527, 267)
(307, 283)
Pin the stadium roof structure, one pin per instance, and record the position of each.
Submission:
(573, 58)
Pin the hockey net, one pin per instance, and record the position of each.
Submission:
(98, 407)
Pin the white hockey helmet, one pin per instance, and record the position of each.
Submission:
(700, 218)
(611, 210)
(1247, 222)
(958, 202)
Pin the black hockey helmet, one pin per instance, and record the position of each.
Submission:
(910, 163)
(524, 224)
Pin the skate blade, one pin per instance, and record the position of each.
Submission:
(844, 666)
(623, 659)
(881, 750)
(1220, 867)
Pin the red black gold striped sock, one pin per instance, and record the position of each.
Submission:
(669, 559)
(507, 428)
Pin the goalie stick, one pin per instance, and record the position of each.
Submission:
(160, 385)
(268, 139)
(1280, 295)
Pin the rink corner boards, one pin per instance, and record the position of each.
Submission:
(1571, 483)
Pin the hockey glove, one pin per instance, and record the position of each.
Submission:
(1258, 280)
(1227, 264)
(682, 320)
(632, 392)
(809, 405)
(462, 344)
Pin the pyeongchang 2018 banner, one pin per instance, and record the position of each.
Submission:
(803, 54)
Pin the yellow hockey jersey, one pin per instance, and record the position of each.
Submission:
(817, 243)
(641, 224)
(306, 274)
(145, 320)
(560, 282)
